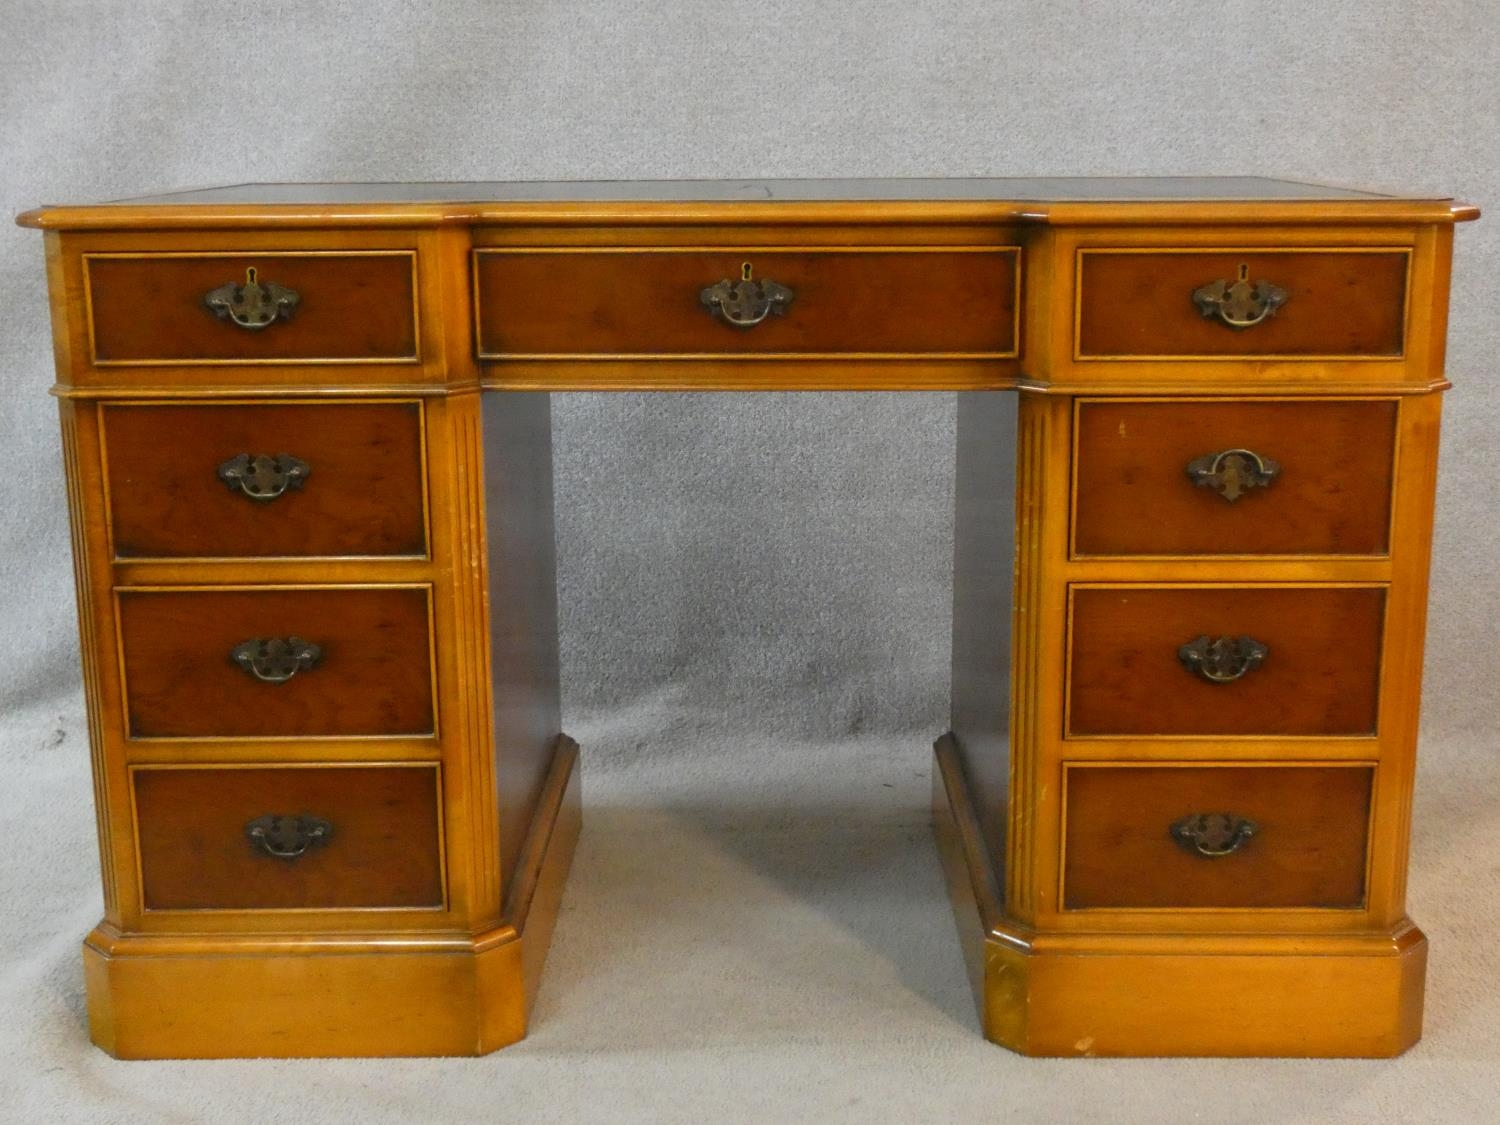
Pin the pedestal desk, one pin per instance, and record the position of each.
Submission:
(306, 435)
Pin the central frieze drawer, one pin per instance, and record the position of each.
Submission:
(307, 837)
(566, 302)
(1224, 660)
(1216, 836)
(275, 662)
(256, 307)
(265, 480)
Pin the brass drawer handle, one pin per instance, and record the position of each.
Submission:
(287, 837)
(262, 477)
(1222, 661)
(1233, 472)
(1213, 835)
(746, 302)
(253, 305)
(1241, 303)
(275, 660)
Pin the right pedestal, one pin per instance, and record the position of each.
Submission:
(1175, 804)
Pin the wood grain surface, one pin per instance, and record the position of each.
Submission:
(363, 496)
(149, 308)
(374, 676)
(647, 302)
(384, 849)
(1320, 677)
(1339, 304)
(1331, 496)
(1308, 850)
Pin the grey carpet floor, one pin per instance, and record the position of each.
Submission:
(754, 931)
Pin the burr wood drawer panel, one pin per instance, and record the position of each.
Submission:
(538, 302)
(1233, 477)
(269, 838)
(1303, 303)
(277, 480)
(276, 662)
(255, 307)
(1224, 660)
(1210, 836)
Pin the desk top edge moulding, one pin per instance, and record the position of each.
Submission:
(336, 808)
(1083, 199)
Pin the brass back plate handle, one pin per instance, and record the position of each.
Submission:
(1233, 472)
(1224, 660)
(1213, 835)
(254, 305)
(263, 477)
(275, 660)
(746, 302)
(1241, 303)
(287, 837)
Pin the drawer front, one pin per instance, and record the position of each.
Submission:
(1216, 836)
(546, 303)
(1182, 661)
(261, 838)
(266, 481)
(190, 308)
(1233, 478)
(237, 663)
(1162, 304)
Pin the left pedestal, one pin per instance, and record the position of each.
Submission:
(317, 606)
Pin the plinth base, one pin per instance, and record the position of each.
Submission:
(1288, 995)
(238, 996)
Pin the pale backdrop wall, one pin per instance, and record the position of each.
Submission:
(739, 574)
(780, 557)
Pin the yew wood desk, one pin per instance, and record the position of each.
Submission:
(1197, 439)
